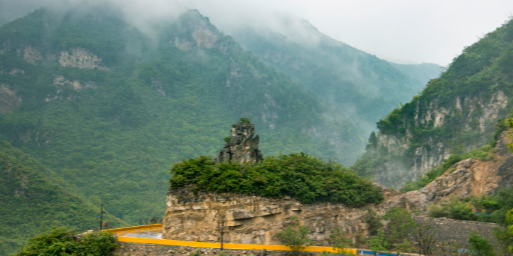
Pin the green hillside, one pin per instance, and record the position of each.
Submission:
(454, 114)
(110, 109)
(33, 200)
(364, 86)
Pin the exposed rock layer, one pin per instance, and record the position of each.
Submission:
(479, 116)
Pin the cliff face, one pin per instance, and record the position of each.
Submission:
(471, 177)
(455, 113)
(199, 216)
(477, 118)
(251, 219)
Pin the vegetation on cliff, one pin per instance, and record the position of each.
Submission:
(452, 115)
(476, 208)
(302, 176)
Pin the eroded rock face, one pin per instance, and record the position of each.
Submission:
(251, 219)
(254, 219)
(396, 172)
(472, 177)
(243, 147)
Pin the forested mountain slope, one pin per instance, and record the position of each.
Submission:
(364, 86)
(34, 199)
(455, 113)
(110, 109)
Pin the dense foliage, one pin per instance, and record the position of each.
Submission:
(480, 246)
(477, 208)
(60, 241)
(304, 177)
(34, 199)
(450, 111)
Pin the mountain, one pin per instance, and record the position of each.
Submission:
(365, 87)
(109, 108)
(34, 199)
(455, 116)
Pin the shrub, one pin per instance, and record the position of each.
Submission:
(61, 241)
(480, 245)
(304, 177)
(244, 120)
(295, 236)
(454, 209)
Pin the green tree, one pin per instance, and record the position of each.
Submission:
(509, 219)
(378, 242)
(295, 236)
(425, 237)
(244, 120)
(405, 246)
(373, 222)
(61, 241)
(480, 245)
(339, 241)
(504, 239)
(399, 226)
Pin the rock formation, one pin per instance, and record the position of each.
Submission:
(242, 147)
(197, 216)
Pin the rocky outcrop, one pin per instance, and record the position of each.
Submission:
(80, 58)
(473, 177)
(242, 147)
(30, 54)
(9, 101)
(251, 219)
(478, 117)
(196, 31)
(199, 216)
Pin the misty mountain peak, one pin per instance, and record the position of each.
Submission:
(193, 30)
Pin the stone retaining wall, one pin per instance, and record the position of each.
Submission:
(457, 231)
(136, 249)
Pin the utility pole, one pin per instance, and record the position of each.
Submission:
(222, 230)
(101, 217)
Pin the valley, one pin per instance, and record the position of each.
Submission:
(96, 110)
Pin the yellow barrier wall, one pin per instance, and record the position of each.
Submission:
(134, 228)
(268, 247)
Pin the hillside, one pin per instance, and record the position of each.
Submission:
(33, 200)
(110, 109)
(459, 112)
(365, 87)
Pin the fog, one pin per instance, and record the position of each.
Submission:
(402, 31)
(398, 30)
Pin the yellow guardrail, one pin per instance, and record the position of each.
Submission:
(269, 247)
(134, 228)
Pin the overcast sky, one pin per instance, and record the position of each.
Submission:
(404, 31)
